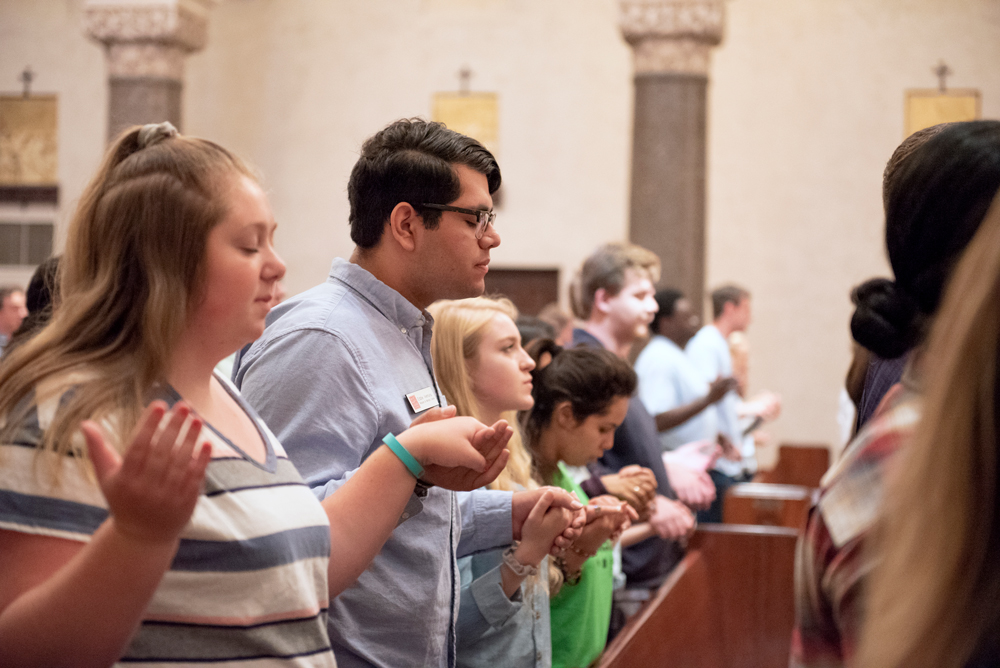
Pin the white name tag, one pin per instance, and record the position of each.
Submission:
(423, 399)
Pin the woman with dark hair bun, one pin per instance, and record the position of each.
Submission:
(936, 190)
(938, 187)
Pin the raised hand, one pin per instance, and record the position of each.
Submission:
(458, 453)
(153, 490)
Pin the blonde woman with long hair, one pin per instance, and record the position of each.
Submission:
(934, 599)
(146, 514)
(483, 371)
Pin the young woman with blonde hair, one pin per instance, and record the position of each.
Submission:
(934, 599)
(146, 514)
(483, 371)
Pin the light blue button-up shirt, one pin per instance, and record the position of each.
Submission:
(494, 630)
(330, 377)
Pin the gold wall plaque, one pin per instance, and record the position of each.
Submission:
(472, 114)
(927, 107)
(28, 141)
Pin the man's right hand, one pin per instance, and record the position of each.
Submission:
(447, 442)
(719, 388)
(671, 520)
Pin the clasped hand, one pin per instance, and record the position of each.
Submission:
(457, 453)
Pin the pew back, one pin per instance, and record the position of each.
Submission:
(769, 505)
(728, 604)
(797, 464)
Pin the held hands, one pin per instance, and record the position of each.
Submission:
(457, 453)
(634, 484)
(538, 534)
(153, 490)
(607, 518)
(671, 520)
(523, 503)
(694, 488)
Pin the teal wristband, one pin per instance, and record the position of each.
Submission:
(404, 455)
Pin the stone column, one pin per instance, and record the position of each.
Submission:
(146, 42)
(671, 42)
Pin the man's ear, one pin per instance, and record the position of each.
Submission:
(601, 298)
(404, 222)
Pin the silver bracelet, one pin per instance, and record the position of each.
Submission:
(519, 569)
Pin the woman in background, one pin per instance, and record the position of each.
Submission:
(581, 397)
(503, 618)
(934, 598)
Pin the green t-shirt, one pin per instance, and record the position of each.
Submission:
(581, 613)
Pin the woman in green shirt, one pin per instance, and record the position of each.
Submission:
(581, 396)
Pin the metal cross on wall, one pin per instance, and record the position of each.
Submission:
(942, 71)
(464, 79)
(27, 76)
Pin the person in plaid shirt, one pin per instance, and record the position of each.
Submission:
(938, 186)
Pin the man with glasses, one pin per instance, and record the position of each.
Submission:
(348, 361)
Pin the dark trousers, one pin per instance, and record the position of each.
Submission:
(722, 485)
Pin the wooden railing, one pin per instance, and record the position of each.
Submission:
(728, 604)
(768, 505)
(798, 464)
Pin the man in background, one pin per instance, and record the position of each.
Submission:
(709, 351)
(614, 299)
(13, 311)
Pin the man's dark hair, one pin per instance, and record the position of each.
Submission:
(725, 295)
(667, 300)
(411, 161)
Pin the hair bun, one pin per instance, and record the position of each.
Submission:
(153, 133)
(886, 320)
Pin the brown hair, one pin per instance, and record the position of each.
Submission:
(132, 269)
(727, 294)
(936, 590)
(605, 269)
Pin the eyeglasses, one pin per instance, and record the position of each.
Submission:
(483, 218)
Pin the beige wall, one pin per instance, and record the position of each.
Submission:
(805, 107)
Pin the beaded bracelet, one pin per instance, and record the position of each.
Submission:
(585, 555)
(568, 578)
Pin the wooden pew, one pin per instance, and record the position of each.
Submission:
(798, 464)
(768, 505)
(728, 604)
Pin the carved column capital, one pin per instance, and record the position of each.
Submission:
(672, 35)
(148, 38)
